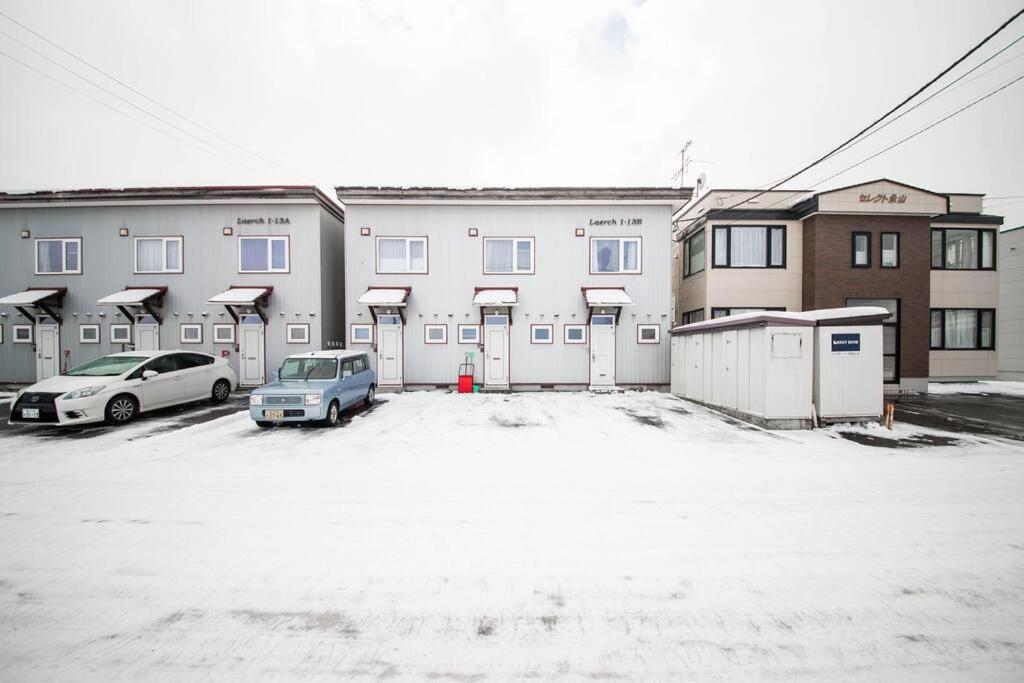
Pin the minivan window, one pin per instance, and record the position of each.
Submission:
(346, 368)
(360, 364)
(308, 368)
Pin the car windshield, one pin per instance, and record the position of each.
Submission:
(108, 366)
(309, 368)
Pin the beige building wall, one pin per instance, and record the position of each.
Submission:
(966, 203)
(849, 201)
(1010, 316)
(767, 287)
(965, 289)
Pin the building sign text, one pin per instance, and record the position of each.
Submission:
(846, 342)
(616, 221)
(883, 198)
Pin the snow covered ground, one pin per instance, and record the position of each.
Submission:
(489, 537)
(984, 387)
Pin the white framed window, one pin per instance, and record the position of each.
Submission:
(264, 254)
(574, 334)
(360, 334)
(615, 255)
(22, 334)
(542, 334)
(435, 334)
(648, 334)
(297, 333)
(158, 255)
(469, 334)
(89, 334)
(508, 255)
(59, 256)
(120, 334)
(190, 333)
(223, 333)
(401, 254)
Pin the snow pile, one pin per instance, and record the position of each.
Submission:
(496, 297)
(986, 387)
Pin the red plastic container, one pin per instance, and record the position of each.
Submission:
(466, 378)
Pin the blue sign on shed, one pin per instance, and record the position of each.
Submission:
(845, 341)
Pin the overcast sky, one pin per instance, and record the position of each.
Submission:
(589, 92)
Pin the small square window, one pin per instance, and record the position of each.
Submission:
(223, 333)
(648, 334)
(361, 334)
(89, 334)
(191, 333)
(574, 334)
(120, 334)
(297, 333)
(542, 334)
(469, 334)
(22, 334)
(435, 334)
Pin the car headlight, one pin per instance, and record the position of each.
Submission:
(312, 399)
(83, 393)
(255, 399)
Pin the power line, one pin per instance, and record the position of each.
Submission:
(874, 123)
(144, 96)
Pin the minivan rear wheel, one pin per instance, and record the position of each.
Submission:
(371, 394)
(121, 409)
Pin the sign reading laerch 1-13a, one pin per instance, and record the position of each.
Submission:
(846, 342)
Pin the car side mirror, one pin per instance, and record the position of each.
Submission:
(146, 374)
(277, 375)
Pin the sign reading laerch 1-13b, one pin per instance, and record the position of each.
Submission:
(616, 221)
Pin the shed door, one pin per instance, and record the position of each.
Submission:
(602, 351)
(496, 361)
(47, 351)
(253, 355)
(389, 352)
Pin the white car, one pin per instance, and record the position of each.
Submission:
(118, 387)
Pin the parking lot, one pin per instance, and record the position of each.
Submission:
(453, 537)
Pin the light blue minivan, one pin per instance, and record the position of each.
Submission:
(314, 387)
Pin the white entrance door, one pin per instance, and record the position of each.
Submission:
(389, 351)
(602, 351)
(147, 333)
(496, 361)
(252, 353)
(47, 350)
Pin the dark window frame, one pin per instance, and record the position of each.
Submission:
(769, 227)
(688, 314)
(977, 329)
(853, 249)
(942, 260)
(686, 253)
(767, 309)
(881, 250)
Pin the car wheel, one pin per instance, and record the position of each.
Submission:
(122, 409)
(333, 413)
(371, 394)
(264, 425)
(221, 391)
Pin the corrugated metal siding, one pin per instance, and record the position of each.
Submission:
(332, 281)
(551, 296)
(210, 264)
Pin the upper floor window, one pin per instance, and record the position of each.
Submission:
(749, 246)
(890, 250)
(158, 255)
(693, 253)
(508, 255)
(694, 316)
(59, 256)
(401, 254)
(963, 328)
(266, 254)
(723, 312)
(963, 249)
(615, 255)
(862, 250)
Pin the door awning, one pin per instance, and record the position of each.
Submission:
(385, 296)
(611, 296)
(234, 298)
(149, 298)
(45, 299)
(507, 296)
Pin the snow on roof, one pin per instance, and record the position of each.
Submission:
(607, 297)
(800, 318)
(496, 297)
(384, 297)
(28, 297)
(127, 297)
(239, 296)
(839, 313)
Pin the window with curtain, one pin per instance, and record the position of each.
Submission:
(861, 250)
(694, 316)
(508, 255)
(58, 256)
(693, 253)
(750, 246)
(963, 248)
(402, 254)
(263, 254)
(963, 328)
(890, 250)
(158, 255)
(615, 255)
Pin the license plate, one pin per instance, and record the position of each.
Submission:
(273, 414)
(30, 413)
